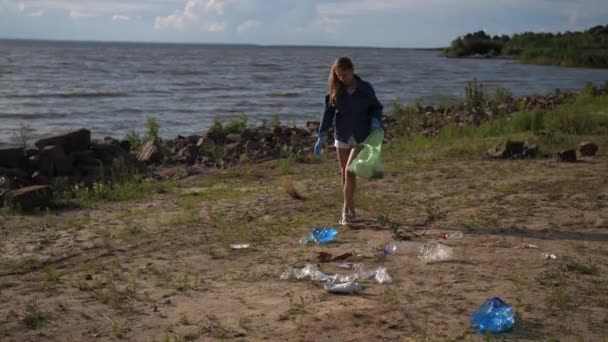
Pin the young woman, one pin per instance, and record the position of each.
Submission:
(353, 108)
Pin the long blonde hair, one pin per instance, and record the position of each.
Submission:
(335, 85)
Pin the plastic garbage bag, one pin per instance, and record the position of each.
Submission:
(368, 163)
(493, 316)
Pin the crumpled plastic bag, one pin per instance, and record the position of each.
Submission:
(368, 163)
(310, 270)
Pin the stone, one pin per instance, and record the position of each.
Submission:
(54, 162)
(233, 138)
(40, 179)
(151, 152)
(232, 149)
(249, 134)
(72, 141)
(193, 139)
(568, 156)
(587, 149)
(188, 154)
(13, 158)
(28, 198)
(508, 150)
(313, 126)
(213, 135)
(84, 158)
(531, 151)
(125, 145)
(110, 140)
(107, 152)
(205, 142)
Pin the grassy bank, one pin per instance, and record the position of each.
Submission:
(573, 49)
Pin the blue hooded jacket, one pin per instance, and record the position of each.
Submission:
(352, 114)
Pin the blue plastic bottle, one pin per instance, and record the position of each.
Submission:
(320, 235)
(494, 316)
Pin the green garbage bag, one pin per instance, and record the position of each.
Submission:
(368, 163)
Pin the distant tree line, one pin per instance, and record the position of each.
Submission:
(587, 48)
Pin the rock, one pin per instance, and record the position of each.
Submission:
(249, 134)
(110, 140)
(508, 150)
(84, 158)
(125, 145)
(106, 152)
(193, 139)
(40, 179)
(204, 142)
(73, 141)
(587, 149)
(54, 162)
(28, 198)
(13, 158)
(313, 127)
(531, 151)
(233, 138)
(568, 156)
(151, 152)
(213, 136)
(6, 186)
(232, 149)
(188, 154)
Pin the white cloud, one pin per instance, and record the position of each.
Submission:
(192, 12)
(248, 25)
(11, 7)
(216, 27)
(120, 17)
(38, 13)
(76, 14)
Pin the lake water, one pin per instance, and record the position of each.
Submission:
(110, 88)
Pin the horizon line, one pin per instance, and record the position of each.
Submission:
(102, 41)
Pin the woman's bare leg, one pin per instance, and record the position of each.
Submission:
(343, 158)
(351, 182)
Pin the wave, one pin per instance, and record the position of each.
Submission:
(284, 94)
(76, 94)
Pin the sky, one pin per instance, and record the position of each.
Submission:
(381, 23)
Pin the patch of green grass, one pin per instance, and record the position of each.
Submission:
(51, 276)
(33, 318)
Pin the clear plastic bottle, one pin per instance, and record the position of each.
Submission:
(433, 251)
(452, 236)
(402, 248)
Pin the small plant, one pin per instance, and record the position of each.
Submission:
(474, 95)
(23, 136)
(51, 276)
(134, 140)
(275, 121)
(238, 125)
(284, 167)
(152, 127)
(33, 316)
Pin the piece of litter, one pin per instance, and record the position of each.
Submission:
(527, 245)
(549, 256)
(382, 276)
(349, 287)
(346, 265)
(328, 257)
(239, 245)
(493, 316)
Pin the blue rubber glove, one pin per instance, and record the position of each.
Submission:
(376, 124)
(319, 145)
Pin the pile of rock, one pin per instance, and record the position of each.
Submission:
(584, 149)
(215, 148)
(72, 155)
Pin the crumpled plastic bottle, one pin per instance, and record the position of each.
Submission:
(432, 251)
(493, 316)
(320, 235)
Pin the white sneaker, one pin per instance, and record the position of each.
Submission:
(347, 218)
